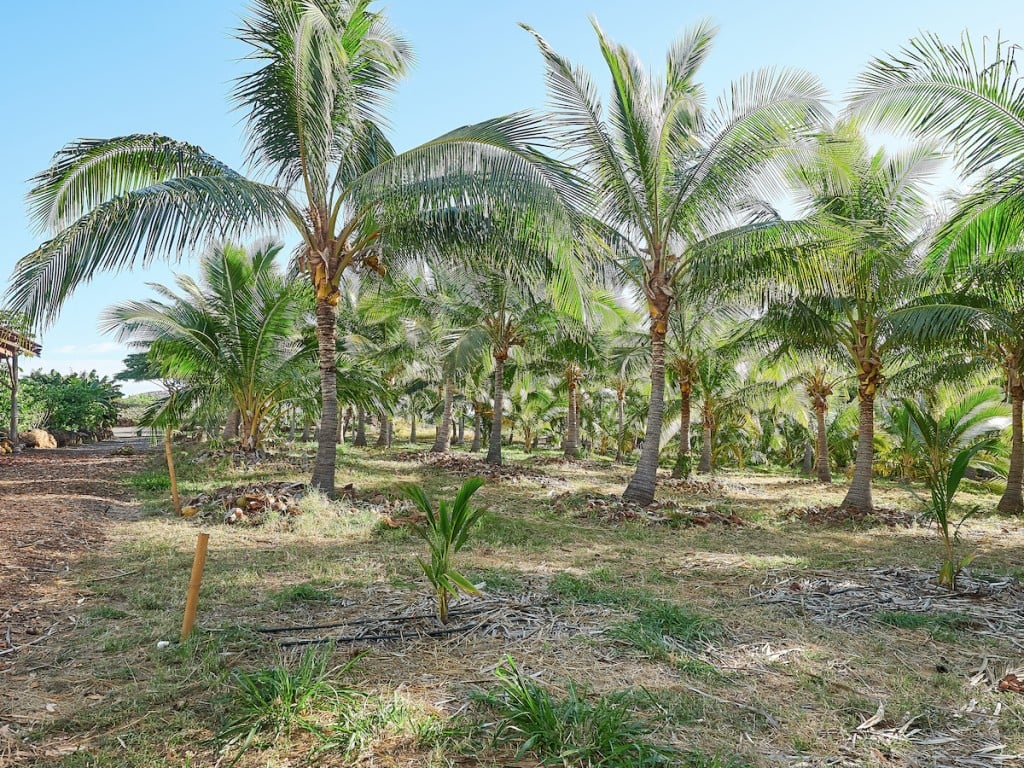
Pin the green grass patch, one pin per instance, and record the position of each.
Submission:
(941, 626)
(299, 593)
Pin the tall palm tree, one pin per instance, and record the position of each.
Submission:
(233, 337)
(844, 302)
(314, 109)
(665, 172)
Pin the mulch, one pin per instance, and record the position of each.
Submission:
(53, 509)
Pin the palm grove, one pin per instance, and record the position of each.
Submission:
(612, 275)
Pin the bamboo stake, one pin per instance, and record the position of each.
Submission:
(192, 600)
(175, 498)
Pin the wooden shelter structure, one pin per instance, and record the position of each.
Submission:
(12, 346)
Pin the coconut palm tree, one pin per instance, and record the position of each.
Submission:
(235, 336)
(315, 113)
(843, 302)
(665, 173)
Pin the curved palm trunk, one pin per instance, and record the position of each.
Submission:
(621, 409)
(642, 487)
(478, 428)
(858, 497)
(821, 461)
(231, 425)
(327, 438)
(683, 460)
(1012, 501)
(572, 423)
(360, 428)
(494, 445)
(442, 443)
(706, 443)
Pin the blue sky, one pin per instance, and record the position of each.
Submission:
(112, 67)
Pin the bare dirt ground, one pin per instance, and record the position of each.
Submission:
(53, 506)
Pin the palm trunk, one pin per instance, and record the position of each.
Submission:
(327, 437)
(1012, 502)
(360, 428)
(683, 461)
(642, 487)
(572, 426)
(307, 427)
(478, 428)
(706, 442)
(169, 455)
(442, 444)
(382, 430)
(412, 426)
(807, 462)
(858, 498)
(494, 446)
(621, 409)
(460, 439)
(822, 460)
(231, 425)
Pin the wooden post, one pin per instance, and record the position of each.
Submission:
(15, 443)
(192, 600)
(175, 498)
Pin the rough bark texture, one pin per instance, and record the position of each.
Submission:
(360, 428)
(707, 440)
(382, 430)
(572, 425)
(494, 446)
(620, 407)
(327, 442)
(1012, 502)
(460, 437)
(807, 462)
(442, 443)
(684, 459)
(412, 426)
(642, 487)
(858, 498)
(821, 461)
(231, 425)
(478, 428)
(307, 429)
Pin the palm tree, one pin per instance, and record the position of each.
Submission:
(665, 173)
(843, 303)
(972, 98)
(315, 115)
(233, 337)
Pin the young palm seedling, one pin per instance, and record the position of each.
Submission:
(445, 532)
(946, 464)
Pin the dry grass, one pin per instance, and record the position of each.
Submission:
(775, 684)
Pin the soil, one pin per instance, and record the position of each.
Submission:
(53, 506)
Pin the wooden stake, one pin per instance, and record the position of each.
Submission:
(175, 498)
(192, 601)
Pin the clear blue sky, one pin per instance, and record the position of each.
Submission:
(112, 67)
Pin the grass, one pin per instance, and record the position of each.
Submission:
(572, 730)
(940, 626)
(638, 617)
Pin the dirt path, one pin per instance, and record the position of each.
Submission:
(53, 506)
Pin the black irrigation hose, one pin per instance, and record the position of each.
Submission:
(355, 622)
(366, 638)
